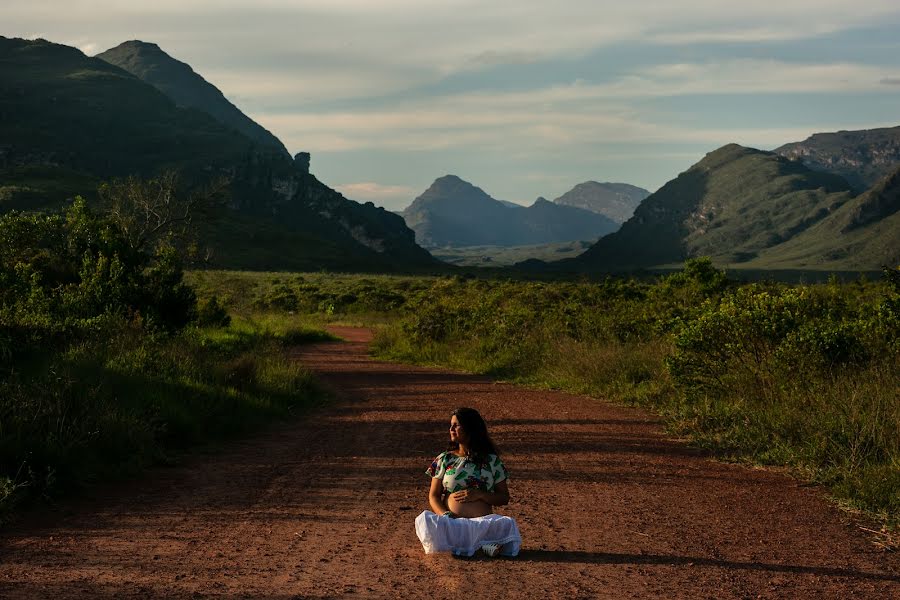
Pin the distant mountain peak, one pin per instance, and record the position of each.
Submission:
(177, 80)
(138, 45)
(616, 201)
(451, 178)
(453, 212)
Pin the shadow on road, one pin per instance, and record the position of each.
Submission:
(564, 556)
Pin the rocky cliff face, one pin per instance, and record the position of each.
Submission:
(861, 157)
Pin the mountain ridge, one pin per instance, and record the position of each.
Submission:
(862, 157)
(725, 206)
(614, 200)
(70, 121)
(454, 212)
(187, 88)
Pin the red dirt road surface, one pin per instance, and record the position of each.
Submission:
(323, 508)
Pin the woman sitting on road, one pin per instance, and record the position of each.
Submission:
(466, 481)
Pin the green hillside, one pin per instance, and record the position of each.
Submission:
(179, 82)
(864, 233)
(68, 122)
(59, 108)
(731, 206)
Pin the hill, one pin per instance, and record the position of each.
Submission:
(862, 234)
(453, 212)
(68, 122)
(731, 205)
(614, 200)
(861, 157)
(180, 83)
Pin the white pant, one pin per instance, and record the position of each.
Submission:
(464, 536)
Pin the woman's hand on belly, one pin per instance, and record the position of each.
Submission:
(468, 503)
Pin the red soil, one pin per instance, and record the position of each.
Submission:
(324, 507)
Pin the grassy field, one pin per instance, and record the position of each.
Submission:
(504, 256)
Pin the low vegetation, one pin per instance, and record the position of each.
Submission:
(108, 363)
(803, 376)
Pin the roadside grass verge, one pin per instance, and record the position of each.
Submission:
(806, 377)
(112, 404)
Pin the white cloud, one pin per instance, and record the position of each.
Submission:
(89, 48)
(397, 44)
(376, 192)
(267, 87)
(290, 55)
(571, 116)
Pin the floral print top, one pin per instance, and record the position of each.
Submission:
(462, 472)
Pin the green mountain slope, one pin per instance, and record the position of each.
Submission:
(453, 212)
(179, 82)
(61, 108)
(862, 234)
(861, 157)
(68, 121)
(614, 200)
(731, 205)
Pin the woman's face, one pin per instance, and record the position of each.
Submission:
(457, 433)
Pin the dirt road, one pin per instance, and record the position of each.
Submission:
(323, 508)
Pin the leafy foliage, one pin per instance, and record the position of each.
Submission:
(101, 373)
(802, 375)
(64, 273)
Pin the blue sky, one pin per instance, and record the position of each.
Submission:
(524, 98)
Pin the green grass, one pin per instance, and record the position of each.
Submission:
(500, 256)
(805, 376)
(312, 298)
(815, 389)
(108, 407)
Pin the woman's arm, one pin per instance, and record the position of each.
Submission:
(436, 496)
(499, 497)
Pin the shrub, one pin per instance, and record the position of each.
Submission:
(211, 313)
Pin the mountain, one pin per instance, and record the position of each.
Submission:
(614, 200)
(733, 204)
(453, 212)
(863, 234)
(69, 122)
(861, 157)
(179, 82)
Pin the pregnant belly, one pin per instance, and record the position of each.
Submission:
(468, 509)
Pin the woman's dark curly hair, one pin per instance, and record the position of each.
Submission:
(480, 444)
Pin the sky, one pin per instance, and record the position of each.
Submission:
(521, 98)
